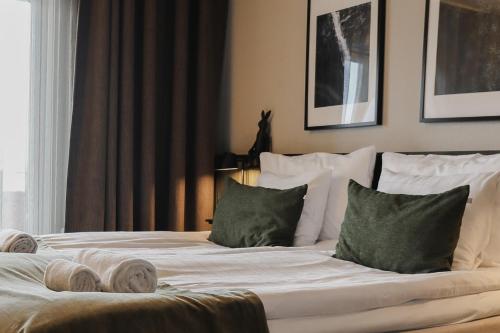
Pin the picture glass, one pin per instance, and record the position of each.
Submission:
(471, 63)
(342, 56)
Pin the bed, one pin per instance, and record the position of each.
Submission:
(304, 289)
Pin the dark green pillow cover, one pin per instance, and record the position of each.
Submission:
(248, 216)
(401, 233)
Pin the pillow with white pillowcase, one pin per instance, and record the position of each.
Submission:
(357, 165)
(479, 211)
(311, 219)
(433, 164)
(440, 165)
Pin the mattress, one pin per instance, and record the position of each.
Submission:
(305, 289)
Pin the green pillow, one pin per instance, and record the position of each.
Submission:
(248, 216)
(401, 233)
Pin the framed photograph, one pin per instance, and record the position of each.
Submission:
(461, 68)
(344, 70)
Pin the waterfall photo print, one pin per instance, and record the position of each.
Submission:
(344, 67)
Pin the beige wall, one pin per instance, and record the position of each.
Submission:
(266, 69)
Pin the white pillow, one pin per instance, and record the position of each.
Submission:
(311, 219)
(357, 165)
(439, 165)
(450, 165)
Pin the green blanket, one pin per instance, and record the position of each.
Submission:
(26, 305)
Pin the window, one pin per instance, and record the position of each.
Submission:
(15, 41)
(37, 41)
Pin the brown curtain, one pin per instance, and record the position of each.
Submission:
(147, 83)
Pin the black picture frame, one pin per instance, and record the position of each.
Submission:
(424, 83)
(378, 80)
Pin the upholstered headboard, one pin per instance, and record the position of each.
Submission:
(378, 163)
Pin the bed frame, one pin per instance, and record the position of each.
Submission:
(486, 325)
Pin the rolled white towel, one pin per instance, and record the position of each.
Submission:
(65, 275)
(120, 273)
(17, 241)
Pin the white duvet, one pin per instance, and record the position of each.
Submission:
(304, 286)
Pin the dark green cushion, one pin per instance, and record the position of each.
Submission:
(401, 233)
(248, 216)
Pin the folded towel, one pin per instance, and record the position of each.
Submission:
(120, 273)
(17, 241)
(64, 275)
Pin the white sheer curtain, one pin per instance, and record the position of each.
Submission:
(35, 202)
(15, 35)
(53, 30)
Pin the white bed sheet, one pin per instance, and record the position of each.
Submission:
(304, 289)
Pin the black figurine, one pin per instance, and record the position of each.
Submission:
(263, 139)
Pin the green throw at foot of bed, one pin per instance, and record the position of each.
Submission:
(26, 305)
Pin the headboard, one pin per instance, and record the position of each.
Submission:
(378, 162)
